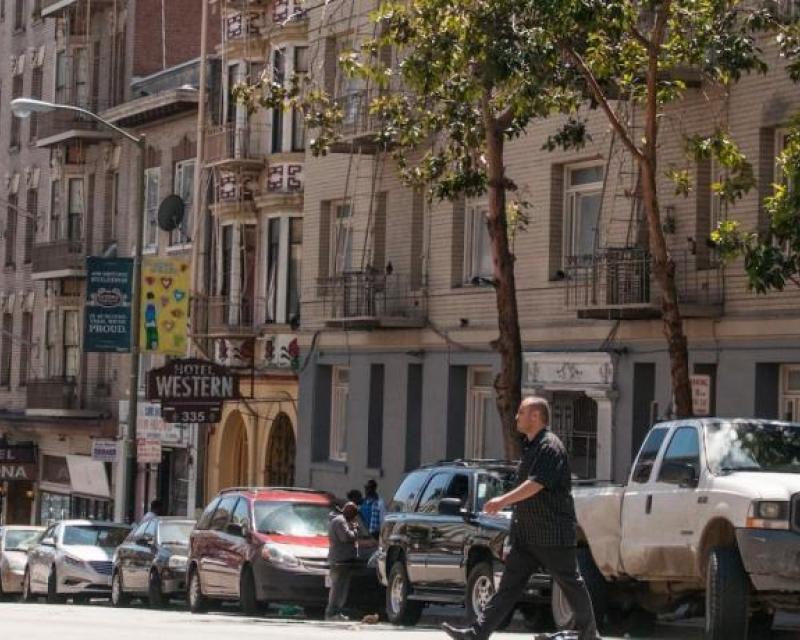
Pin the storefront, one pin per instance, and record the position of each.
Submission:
(18, 469)
(73, 486)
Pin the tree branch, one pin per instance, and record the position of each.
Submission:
(653, 54)
(639, 37)
(505, 119)
(602, 100)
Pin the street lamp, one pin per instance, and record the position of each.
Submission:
(23, 108)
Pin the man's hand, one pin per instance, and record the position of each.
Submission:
(494, 505)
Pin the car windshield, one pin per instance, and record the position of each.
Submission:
(492, 484)
(175, 532)
(292, 518)
(753, 446)
(20, 539)
(94, 536)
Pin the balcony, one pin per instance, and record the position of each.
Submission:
(226, 316)
(229, 146)
(358, 125)
(58, 259)
(370, 300)
(57, 127)
(618, 284)
(56, 8)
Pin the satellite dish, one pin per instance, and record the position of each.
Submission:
(170, 213)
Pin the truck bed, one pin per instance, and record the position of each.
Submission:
(599, 510)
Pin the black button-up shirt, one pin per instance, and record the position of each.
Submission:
(548, 518)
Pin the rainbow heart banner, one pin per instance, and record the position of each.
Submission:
(165, 305)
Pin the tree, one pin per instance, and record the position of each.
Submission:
(643, 53)
(471, 75)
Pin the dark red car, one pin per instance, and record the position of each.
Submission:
(266, 545)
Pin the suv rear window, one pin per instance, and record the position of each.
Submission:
(407, 493)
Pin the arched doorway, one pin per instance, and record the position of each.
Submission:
(234, 453)
(279, 469)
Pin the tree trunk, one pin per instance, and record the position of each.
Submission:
(508, 383)
(664, 271)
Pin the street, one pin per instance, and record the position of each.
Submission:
(95, 621)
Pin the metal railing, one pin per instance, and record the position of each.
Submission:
(58, 255)
(357, 120)
(229, 143)
(55, 394)
(623, 277)
(368, 294)
(229, 314)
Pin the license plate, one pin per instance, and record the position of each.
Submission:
(327, 582)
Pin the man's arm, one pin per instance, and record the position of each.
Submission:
(526, 490)
(343, 532)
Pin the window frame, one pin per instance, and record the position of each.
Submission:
(476, 233)
(341, 227)
(340, 399)
(654, 433)
(80, 216)
(672, 439)
(6, 351)
(150, 227)
(572, 194)
(475, 426)
(70, 350)
(181, 238)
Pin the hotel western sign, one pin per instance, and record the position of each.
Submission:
(192, 390)
(17, 462)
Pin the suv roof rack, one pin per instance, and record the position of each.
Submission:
(292, 489)
(474, 462)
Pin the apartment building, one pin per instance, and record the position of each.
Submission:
(248, 312)
(398, 312)
(72, 186)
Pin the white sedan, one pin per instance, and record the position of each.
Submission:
(14, 543)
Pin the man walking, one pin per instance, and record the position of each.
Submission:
(542, 528)
(342, 553)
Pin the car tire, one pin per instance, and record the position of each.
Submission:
(480, 589)
(155, 595)
(27, 593)
(563, 616)
(399, 609)
(248, 602)
(53, 597)
(198, 603)
(727, 596)
(119, 598)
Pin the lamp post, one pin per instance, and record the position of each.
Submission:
(23, 108)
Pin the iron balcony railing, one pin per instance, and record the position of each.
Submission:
(229, 143)
(234, 315)
(58, 255)
(622, 277)
(367, 294)
(356, 119)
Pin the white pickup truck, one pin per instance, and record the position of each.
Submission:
(710, 517)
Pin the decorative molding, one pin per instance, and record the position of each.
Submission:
(567, 370)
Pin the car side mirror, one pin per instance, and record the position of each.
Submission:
(450, 507)
(236, 529)
(48, 542)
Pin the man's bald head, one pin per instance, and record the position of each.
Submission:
(533, 415)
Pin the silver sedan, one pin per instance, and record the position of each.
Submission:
(73, 558)
(14, 543)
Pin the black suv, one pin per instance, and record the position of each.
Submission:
(436, 546)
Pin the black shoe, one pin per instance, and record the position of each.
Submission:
(459, 634)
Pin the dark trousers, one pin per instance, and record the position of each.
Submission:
(340, 586)
(562, 565)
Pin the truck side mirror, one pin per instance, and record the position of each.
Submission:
(684, 474)
(450, 507)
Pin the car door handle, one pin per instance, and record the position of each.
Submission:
(648, 505)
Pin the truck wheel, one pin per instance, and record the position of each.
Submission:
(563, 616)
(399, 609)
(480, 589)
(727, 596)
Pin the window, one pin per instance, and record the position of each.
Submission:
(477, 246)
(294, 265)
(406, 494)
(582, 205)
(340, 392)
(718, 207)
(241, 514)
(11, 230)
(223, 513)
(37, 78)
(55, 210)
(300, 60)
(184, 187)
(2, 10)
(25, 347)
(71, 344)
(434, 492)
(152, 179)
(113, 208)
(5, 350)
(790, 393)
(480, 409)
(19, 15)
(32, 204)
(683, 450)
(647, 456)
(491, 485)
(298, 130)
(62, 77)
(273, 267)
(80, 61)
(278, 76)
(205, 519)
(50, 342)
(75, 208)
(227, 259)
(16, 92)
(342, 239)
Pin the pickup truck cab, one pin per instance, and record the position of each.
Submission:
(710, 516)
